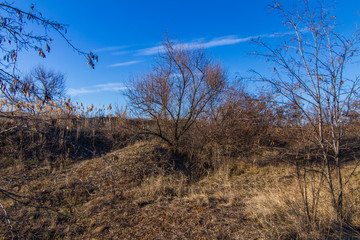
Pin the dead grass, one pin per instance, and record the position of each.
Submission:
(276, 206)
(137, 193)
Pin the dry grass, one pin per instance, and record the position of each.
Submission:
(276, 206)
(137, 193)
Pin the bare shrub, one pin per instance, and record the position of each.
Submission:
(242, 122)
(240, 127)
(175, 94)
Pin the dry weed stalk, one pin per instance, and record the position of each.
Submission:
(7, 219)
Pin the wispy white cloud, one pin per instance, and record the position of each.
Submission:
(124, 64)
(108, 87)
(216, 42)
(151, 51)
(117, 53)
(109, 49)
(111, 86)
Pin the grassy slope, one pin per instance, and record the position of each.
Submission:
(134, 193)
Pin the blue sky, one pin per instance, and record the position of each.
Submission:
(126, 35)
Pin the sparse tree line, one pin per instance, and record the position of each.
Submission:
(310, 116)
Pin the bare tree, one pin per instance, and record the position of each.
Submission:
(311, 72)
(43, 86)
(174, 95)
(22, 30)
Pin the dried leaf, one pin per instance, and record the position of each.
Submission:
(41, 53)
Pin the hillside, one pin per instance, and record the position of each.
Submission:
(134, 193)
